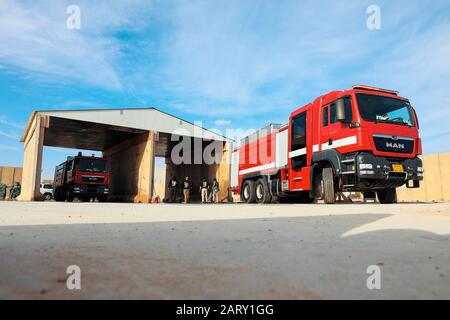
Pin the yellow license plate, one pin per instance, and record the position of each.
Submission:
(397, 168)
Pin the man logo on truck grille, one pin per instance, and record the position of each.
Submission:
(395, 145)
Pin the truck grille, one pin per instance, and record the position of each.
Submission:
(393, 144)
(92, 179)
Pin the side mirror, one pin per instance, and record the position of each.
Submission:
(340, 110)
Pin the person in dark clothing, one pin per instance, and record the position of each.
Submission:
(215, 191)
(204, 187)
(3, 188)
(173, 190)
(15, 191)
(187, 185)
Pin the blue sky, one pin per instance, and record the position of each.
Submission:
(230, 64)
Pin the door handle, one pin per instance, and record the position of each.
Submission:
(330, 142)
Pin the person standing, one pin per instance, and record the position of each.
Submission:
(3, 188)
(215, 191)
(15, 191)
(173, 190)
(204, 187)
(187, 185)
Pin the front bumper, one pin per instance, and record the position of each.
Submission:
(384, 172)
(90, 190)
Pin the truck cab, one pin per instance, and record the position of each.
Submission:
(365, 139)
(82, 177)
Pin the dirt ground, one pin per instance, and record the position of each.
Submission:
(232, 251)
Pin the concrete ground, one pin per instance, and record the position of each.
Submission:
(232, 251)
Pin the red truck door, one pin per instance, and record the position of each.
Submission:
(335, 134)
(300, 151)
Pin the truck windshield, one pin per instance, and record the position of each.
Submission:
(92, 165)
(384, 109)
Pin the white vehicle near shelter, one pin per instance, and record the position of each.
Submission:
(47, 191)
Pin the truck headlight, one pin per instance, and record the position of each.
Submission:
(366, 172)
(419, 169)
(364, 166)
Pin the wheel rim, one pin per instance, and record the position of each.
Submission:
(259, 191)
(246, 192)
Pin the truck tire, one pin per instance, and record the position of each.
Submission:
(48, 197)
(262, 192)
(248, 192)
(329, 192)
(388, 195)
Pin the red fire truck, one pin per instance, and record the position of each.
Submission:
(365, 139)
(83, 178)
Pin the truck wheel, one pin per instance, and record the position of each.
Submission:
(48, 197)
(262, 192)
(248, 192)
(329, 193)
(387, 196)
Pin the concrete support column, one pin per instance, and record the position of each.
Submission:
(223, 173)
(133, 166)
(146, 171)
(32, 161)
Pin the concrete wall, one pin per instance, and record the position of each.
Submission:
(132, 166)
(436, 184)
(10, 175)
(196, 172)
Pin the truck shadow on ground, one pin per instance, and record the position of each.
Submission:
(280, 258)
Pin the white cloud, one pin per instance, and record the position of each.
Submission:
(418, 66)
(8, 148)
(222, 122)
(34, 37)
(9, 135)
(78, 104)
(11, 123)
(256, 53)
(238, 58)
(234, 59)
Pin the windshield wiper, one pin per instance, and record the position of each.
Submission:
(403, 123)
